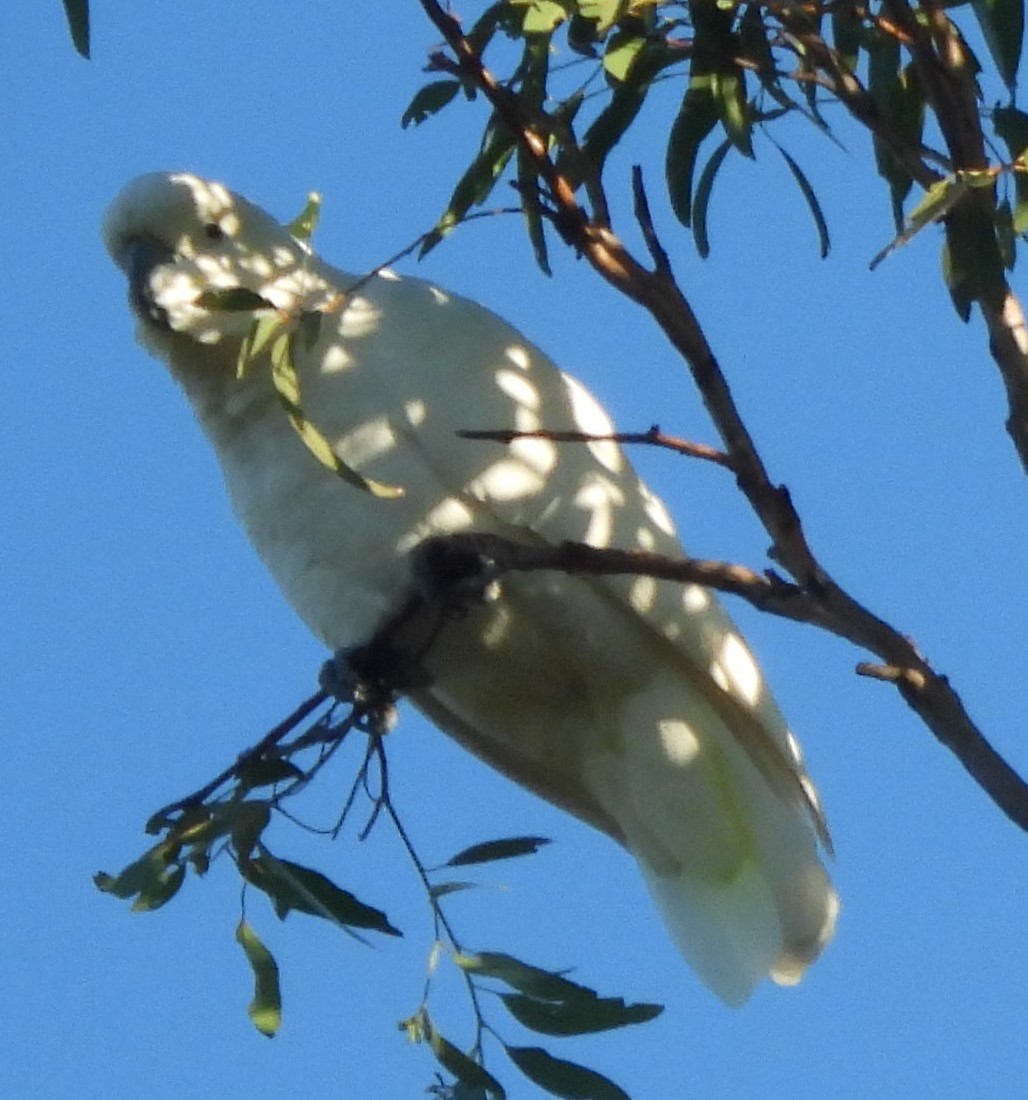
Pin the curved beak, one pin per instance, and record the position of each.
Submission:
(139, 258)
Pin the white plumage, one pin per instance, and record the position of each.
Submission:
(632, 703)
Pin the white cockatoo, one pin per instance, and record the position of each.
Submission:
(632, 703)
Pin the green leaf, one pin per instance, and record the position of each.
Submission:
(303, 225)
(900, 98)
(266, 1007)
(491, 850)
(541, 16)
(287, 385)
(77, 14)
(477, 182)
(811, 199)
(532, 209)
(142, 876)
(580, 1016)
(1002, 23)
(292, 886)
(729, 91)
(621, 55)
(533, 980)
(249, 825)
(565, 1079)
(264, 772)
(696, 118)
(440, 890)
(974, 265)
(428, 101)
(604, 13)
(610, 124)
(469, 1072)
(847, 34)
(1006, 236)
(161, 890)
(756, 49)
(938, 200)
(1011, 126)
(703, 192)
(232, 299)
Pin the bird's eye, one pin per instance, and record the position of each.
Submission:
(213, 231)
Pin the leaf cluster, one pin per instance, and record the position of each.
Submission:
(581, 72)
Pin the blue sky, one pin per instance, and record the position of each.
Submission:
(144, 646)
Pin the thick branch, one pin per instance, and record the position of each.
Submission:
(928, 693)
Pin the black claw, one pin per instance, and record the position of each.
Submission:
(455, 571)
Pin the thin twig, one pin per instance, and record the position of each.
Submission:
(653, 437)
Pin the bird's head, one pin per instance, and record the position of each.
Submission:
(183, 242)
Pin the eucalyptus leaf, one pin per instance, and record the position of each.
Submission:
(696, 118)
(1002, 23)
(294, 887)
(429, 100)
(561, 1078)
(703, 192)
(532, 980)
(266, 1007)
(303, 225)
(491, 850)
(811, 199)
(579, 1016)
(77, 14)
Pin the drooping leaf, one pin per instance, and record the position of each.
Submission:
(696, 118)
(287, 385)
(248, 826)
(579, 1016)
(266, 1007)
(974, 265)
(1006, 236)
(938, 200)
(621, 55)
(541, 16)
(729, 91)
(491, 850)
(161, 890)
(146, 877)
(703, 193)
(811, 199)
(898, 93)
(532, 209)
(603, 13)
(847, 33)
(303, 225)
(292, 886)
(77, 14)
(1002, 23)
(441, 889)
(470, 1074)
(429, 100)
(561, 1078)
(610, 124)
(531, 980)
(1011, 126)
(265, 772)
(757, 50)
(477, 182)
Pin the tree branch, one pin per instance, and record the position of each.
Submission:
(825, 603)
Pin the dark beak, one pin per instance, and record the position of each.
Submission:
(142, 256)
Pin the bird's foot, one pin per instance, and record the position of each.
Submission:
(368, 678)
(456, 571)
